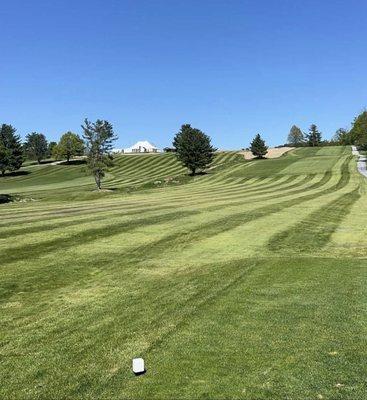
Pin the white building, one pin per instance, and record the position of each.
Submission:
(117, 151)
(142, 147)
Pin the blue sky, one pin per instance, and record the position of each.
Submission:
(230, 68)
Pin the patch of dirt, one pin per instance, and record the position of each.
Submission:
(272, 152)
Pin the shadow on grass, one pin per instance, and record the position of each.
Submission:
(15, 173)
(73, 162)
(5, 198)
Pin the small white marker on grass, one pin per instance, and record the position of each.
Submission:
(138, 366)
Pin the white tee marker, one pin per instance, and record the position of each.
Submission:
(138, 366)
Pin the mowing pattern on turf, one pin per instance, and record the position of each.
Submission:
(247, 282)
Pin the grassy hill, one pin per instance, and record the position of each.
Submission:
(72, 180)
(248, 282)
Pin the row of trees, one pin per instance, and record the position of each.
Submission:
(192, 147)
(36, 147)
(96, 144)
(356, 135)
(297, 138)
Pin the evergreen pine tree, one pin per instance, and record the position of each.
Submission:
(11, 153)
(36, 146)
(193, 148)
(314, 136)
(258, 147)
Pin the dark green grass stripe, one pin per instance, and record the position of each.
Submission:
(88, 235)
(100, 216)
(314, 232)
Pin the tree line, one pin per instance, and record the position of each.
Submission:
(297, 138)
(192, 147)
(95, 144)
(35, 147)
(356, 135)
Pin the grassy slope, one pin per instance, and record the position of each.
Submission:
(133, 171)
(249, 282)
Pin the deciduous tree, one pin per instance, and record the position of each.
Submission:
(99, 137)
(295, 136)
(342, 137)
(50, 149)
(359, 130)
(70, 145)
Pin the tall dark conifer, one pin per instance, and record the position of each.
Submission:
(36, 146)
(314, 136)
(11, 153)
(193, 148)
(258, 147)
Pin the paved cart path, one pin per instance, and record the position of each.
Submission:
(361, 164)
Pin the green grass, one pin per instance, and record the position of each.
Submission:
(248, 282)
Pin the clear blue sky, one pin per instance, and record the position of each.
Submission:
(230, 68)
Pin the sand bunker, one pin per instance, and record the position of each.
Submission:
(272, 153)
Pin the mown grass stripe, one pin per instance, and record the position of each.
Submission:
(87, 235)
(314, 232)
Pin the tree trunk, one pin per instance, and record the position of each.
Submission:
(68, 158)
(3, 173)
(39, 160)
(193, 170)
(97, 178)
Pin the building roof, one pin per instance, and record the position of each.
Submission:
(143, 143)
